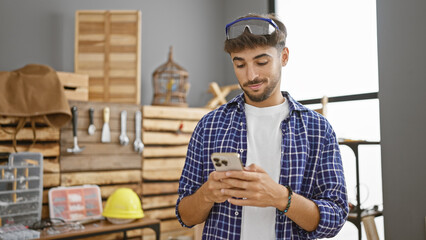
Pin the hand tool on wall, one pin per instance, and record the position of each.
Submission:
(106, 134)
(91, 130)
(124, 140)
(138, 145)
(76, 148)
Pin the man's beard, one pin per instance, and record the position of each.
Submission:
(266, 93)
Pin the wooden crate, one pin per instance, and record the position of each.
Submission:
(107, 48)
(76, 85)
(166, 133)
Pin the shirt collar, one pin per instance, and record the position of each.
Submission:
(293, 104)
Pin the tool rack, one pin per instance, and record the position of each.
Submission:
(21, 189)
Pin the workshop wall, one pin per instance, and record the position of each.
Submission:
(42, 31)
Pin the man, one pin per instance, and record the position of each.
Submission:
(293, 185)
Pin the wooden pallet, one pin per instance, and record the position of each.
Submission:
(166, 133)
(107, 48)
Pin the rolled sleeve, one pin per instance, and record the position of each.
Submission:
(330, 191)
(192, 173)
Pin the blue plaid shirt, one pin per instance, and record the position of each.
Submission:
(310, 164)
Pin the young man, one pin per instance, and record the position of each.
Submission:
(293, 185)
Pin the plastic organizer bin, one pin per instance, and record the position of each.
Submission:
(21, 189)
(76, 203)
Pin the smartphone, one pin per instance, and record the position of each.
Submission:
(226, 161)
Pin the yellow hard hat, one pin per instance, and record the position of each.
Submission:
(124, 203)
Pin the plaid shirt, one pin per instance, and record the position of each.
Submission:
(310, 164)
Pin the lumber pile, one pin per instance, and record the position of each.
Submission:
(166, 132)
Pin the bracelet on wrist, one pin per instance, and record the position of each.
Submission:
(290, 194)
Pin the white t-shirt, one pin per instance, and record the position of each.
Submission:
(263, 149)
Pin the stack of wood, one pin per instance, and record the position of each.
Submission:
(166, 133)
(47, 143)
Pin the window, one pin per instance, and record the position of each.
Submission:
(333, 52)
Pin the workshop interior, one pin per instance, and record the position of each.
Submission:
(99, 99)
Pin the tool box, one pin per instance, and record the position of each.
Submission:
(21, 189)
(78, 203)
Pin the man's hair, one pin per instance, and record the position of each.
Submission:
(250, 41)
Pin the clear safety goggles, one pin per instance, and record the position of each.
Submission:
(256, 26)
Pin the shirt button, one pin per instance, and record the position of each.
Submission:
(241, 150)
(237, 213)
(241, 124)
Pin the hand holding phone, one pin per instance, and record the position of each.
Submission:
(226, 161)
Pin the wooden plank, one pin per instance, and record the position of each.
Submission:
(42, 134)
(170, 225)
(162, 163)
(106, 191)
(159, 188)
(91, 27)
(123, 57)
(101, 177)
(45, 211)
(91, 16)
(100, 162)
(73, 79)
(159, 201)
(177, 234)
(90, 37)
(77, 94)
(99, 148)
(51, 165)
(174, 112)
(47, 149)
(51, 179)
(93, 73)
(124, 27)
(45, 199)
(172, 151)
(91, 57)
(124, 17)
(161, 213)
(165, 138)
(165, 226)
(118, 90)
(131, 235)
(168, 125)
(114, 122)
(163, 175)
(83, 136)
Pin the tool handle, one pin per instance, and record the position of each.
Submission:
(106, 115)
(74, 120)
(123, 121)
(138, 120)
(91, 111)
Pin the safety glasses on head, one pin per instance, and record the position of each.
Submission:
(256, 25)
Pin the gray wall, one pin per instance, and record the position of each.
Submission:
(42, 31)
(402, 84)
